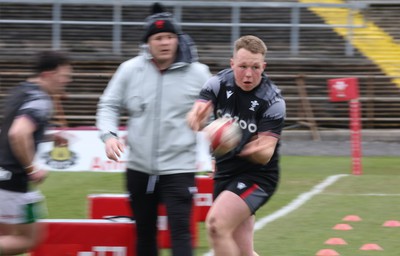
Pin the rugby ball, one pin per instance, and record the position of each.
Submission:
(224, 135)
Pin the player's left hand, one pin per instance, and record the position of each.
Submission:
(260, 149)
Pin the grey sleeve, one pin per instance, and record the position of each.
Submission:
(111, 102)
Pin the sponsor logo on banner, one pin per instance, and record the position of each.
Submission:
(60, 156)
(78, 150)
(106, 165)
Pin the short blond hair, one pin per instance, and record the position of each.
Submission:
(251, 43)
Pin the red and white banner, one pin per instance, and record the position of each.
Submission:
(84, 151)
(105, 205)
(110, 205)
(97, 236)
(87, 238)
(203, 199)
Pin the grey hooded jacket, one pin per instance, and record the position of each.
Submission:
(159, 139)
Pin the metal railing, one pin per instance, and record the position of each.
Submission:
(235, 23)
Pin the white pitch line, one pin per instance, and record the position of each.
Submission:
(295, 204)
(368, 194)
(299, 201)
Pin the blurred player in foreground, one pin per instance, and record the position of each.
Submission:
(246, 177)
(27, 113)
(158, 88)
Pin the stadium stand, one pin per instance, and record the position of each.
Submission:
(320, 56)
(384, 16)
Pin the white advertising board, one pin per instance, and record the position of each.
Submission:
(86, 152)
(83, 152)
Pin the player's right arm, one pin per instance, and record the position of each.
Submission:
(199, 115)
(22, 144)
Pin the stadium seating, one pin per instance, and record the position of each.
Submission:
(321, 56)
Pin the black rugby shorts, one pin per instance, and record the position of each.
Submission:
(246, 188)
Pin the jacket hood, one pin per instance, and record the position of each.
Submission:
(186, 53)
